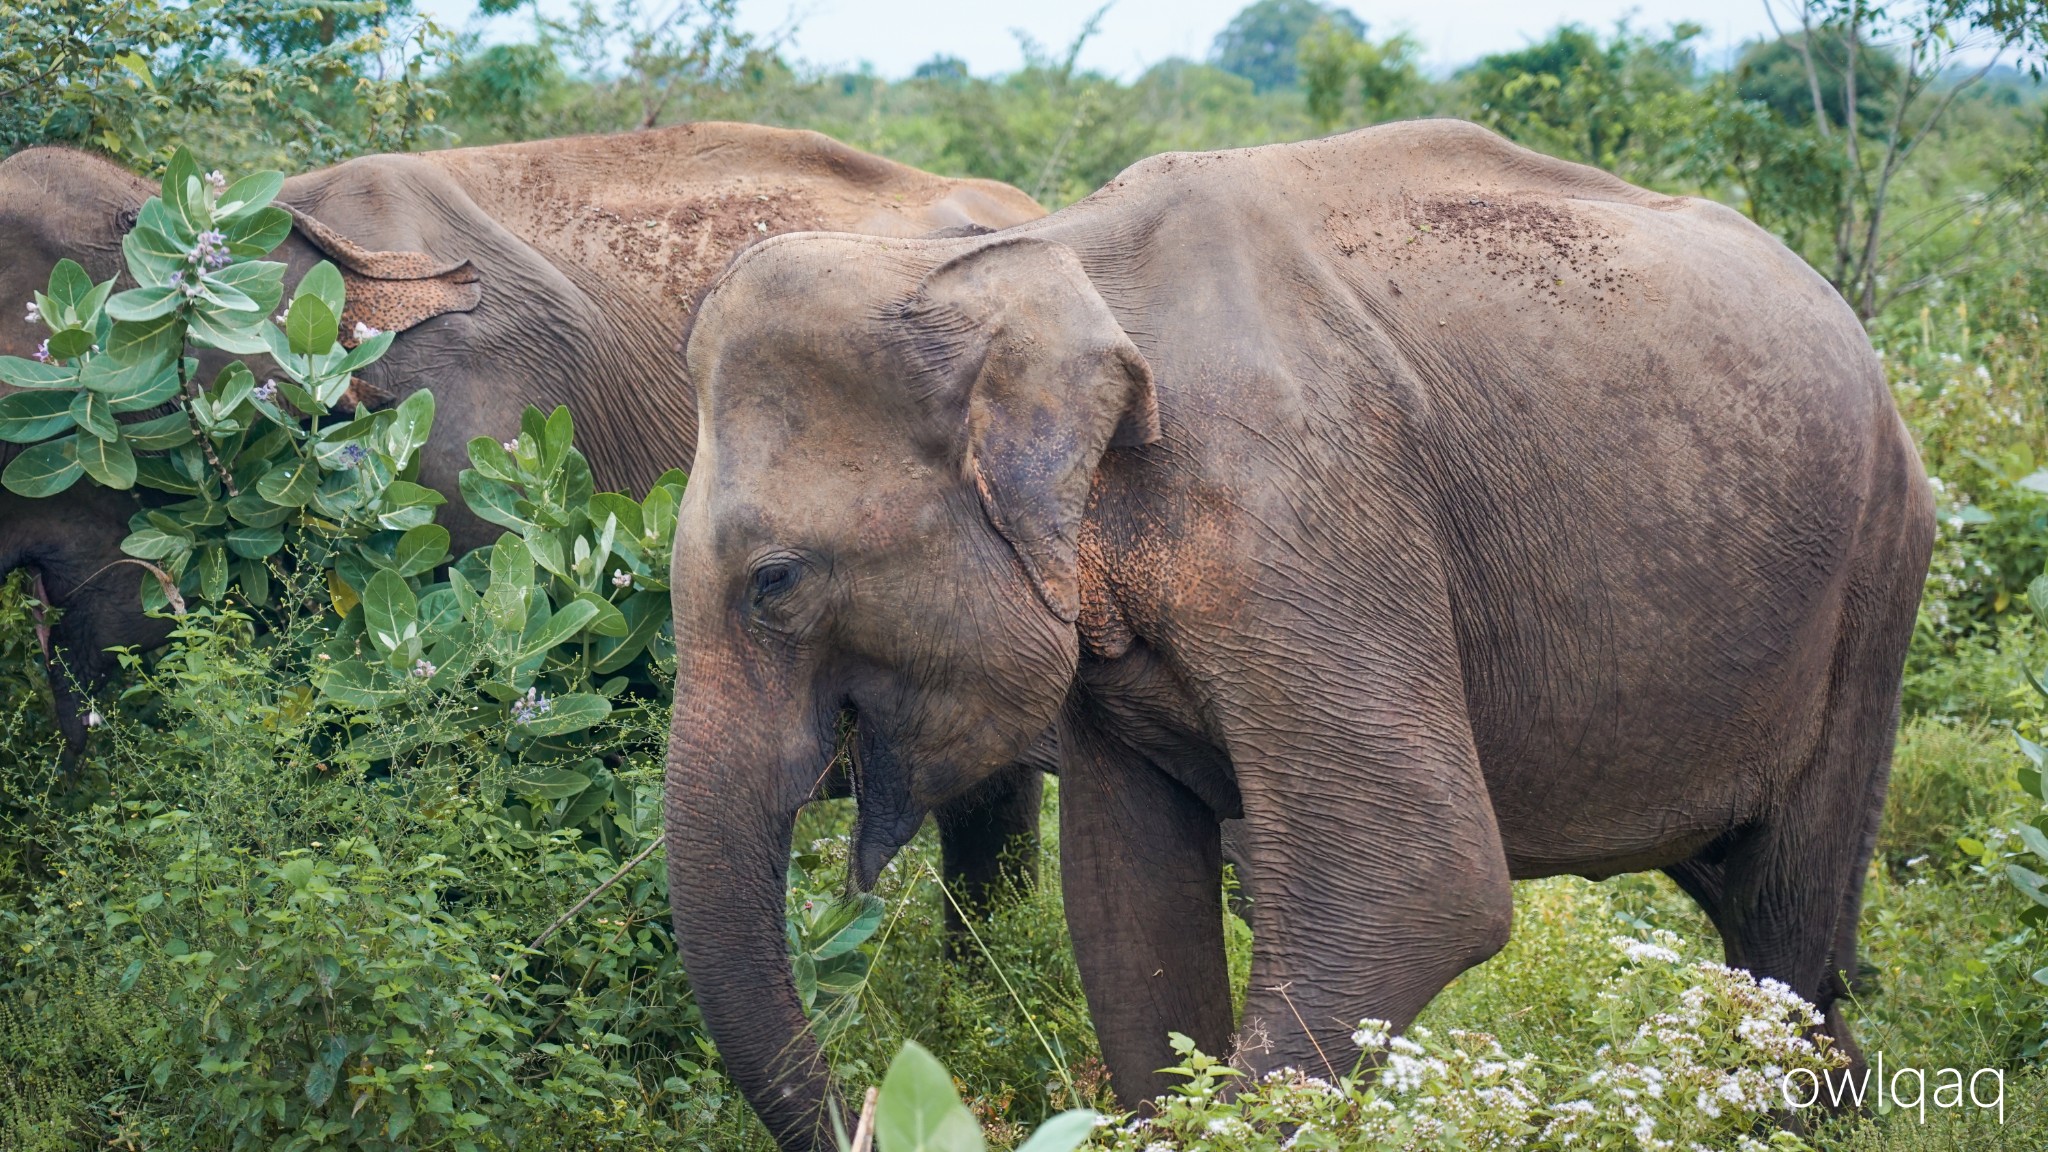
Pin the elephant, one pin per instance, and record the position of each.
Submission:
(1450, 513)
(541, 273)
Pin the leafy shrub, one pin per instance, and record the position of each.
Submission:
(367, 862)
(268, 83)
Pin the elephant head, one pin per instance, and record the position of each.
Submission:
(893, 464)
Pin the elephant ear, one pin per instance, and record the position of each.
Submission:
(391, 291)
(1022, 360)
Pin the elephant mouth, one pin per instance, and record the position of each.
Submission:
(886, 815)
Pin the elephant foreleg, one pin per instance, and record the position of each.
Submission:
(1141, 871)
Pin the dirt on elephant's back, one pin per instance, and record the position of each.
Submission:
(682, 244)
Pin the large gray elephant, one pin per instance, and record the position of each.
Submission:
(1451, 513)
(554, 272)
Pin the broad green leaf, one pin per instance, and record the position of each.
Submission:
(254, 543)
(252, 509)
(213, 572)
(467, 599)
(323, 282)
(571, 712)
(130, 385)
(556, 436)
(494, 462)
(609, 622)
(366, 353)
(550, 784)
(152, 543)
(354, 683)
(622, 508)
(182, 193)
(391, 613)
(2033, 752)
(918, 1109)
(160, 434)
(215, 292)
(560, 629)
(2030, 883)
(147, 343)
(44, 469)
(89, 308)
(153, 256)
(291, 483)
(2034, 840)
(1063, 1133)
(31, 374)
(492, 500)
(94, 415)
(645, 613)
(70, 344)
(847, 925)
(231, 387)
(258, 232)
(504, 602)
(413, 422)
(69, 285)
(420, 550)
(111, 462)
(248, 194)
(322, 1072)
(262, 281)
(310, 325)
(26, 417)
(138, 304)
(406, 494)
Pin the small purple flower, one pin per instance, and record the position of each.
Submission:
(621, 578)
(365, 332)
(218, 182)
(43, 352)
(266, 391)
(211, 251)
(352, 455)
(178, 278)
(424, 669)
(531, 707)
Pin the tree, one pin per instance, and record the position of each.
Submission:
(1927, 43)
(1331, 58)
(273, 83)
(1260, 42)
(1610, 104)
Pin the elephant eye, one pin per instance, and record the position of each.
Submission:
(772, 579)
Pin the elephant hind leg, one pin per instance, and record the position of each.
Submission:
(989, 838)
(1787, 891)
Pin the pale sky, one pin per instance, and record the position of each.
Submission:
(897, 35)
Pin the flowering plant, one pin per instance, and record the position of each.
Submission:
(535, 638)
(1699, 1057)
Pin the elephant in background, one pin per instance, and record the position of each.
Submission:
(553, 272)
(1450, 513)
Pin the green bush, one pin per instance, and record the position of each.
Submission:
(364, 855)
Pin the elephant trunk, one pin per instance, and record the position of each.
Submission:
(731, 814)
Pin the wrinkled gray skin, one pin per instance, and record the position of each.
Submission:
(1451, 513)
(557, 272)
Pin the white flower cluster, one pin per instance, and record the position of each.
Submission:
(1701, 1075)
